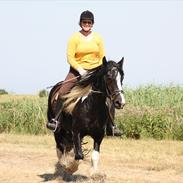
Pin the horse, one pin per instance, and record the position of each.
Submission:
(86, 109)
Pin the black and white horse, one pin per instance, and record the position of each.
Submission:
(86, 110)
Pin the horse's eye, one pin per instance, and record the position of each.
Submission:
(114, 73)
(109, 74)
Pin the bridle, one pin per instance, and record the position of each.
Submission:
(107, 93)
(112, 95)
(115, 93)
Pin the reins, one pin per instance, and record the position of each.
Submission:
(63, 82)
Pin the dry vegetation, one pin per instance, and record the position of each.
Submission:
(28, 159)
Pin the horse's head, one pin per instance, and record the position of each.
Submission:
(113, 81)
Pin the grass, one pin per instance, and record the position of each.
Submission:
(26, 114)
(153, 112)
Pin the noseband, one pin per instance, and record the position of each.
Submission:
(115, 93)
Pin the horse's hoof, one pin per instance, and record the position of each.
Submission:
(98, 176)
(73, 167)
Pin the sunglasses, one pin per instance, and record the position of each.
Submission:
(86, 22)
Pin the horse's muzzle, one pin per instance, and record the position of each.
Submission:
(119, 105)
(119, 101)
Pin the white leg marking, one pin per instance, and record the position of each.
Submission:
(95, 159)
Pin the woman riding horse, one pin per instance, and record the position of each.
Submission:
(85, 112)
(85, 52)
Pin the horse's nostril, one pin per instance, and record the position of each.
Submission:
(118, 103)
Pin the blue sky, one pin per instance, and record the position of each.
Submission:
(34, 35)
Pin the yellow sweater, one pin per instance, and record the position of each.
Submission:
(86, 52)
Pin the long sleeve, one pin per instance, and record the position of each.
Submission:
(101, 50)
(71, 51)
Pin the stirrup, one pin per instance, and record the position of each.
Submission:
(53, 122)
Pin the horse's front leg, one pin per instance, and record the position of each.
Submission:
(96, 151)
(77, 146)
(60, 148)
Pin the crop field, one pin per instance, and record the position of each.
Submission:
(150, 112)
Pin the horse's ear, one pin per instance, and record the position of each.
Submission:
(120, 63)
(104, 61)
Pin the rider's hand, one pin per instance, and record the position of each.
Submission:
(82, 71)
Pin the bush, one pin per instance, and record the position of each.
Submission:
(43, 93)
(3, 92)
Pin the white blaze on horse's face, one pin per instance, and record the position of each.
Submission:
(118, 79)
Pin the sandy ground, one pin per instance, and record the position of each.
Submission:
(32, 159)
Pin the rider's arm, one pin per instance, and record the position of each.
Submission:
(71, 51)
(101, 48)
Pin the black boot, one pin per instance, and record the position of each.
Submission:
(111, 128)
(54, 123)
(117, 132)
(113, 131)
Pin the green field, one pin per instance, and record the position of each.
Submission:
(150, 112)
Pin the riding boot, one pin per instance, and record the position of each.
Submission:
(117, 132)
(111, 128)
(54, 123)
(113, 131)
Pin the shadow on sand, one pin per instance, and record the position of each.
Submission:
(67, 178)
(60, 174)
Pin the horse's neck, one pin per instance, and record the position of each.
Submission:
(99, 85)
(99, 93)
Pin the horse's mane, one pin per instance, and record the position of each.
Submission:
(91, 76)
(82, 88)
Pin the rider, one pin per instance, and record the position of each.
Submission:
(85, 51)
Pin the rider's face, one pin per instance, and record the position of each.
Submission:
(86, 25)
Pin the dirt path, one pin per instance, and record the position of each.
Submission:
(30, 159)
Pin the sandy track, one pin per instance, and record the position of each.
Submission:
(28, 159)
